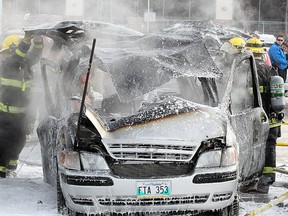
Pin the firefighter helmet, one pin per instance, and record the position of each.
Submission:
(255, 45)
(237, 42)
(11, 41)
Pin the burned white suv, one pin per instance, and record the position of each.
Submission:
(165, 127)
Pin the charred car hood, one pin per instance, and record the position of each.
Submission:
(169, 119)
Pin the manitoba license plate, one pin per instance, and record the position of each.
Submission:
(153, 189)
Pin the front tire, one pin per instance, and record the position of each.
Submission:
(61, 204)
(233, 209)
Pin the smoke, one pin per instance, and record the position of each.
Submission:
(243, 12)
(129, 13)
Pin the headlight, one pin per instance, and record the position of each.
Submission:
(93, 161)
(229, 156)
(70, 160)
(218, 154)
(209, 159)
(231, 138)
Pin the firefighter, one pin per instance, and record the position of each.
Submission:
(17, 58)
(232, 48)
(265, 73)
(238, 43)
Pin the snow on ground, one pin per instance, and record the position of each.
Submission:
(28, 195)
(250, 202)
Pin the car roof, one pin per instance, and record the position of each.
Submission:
(267, 38)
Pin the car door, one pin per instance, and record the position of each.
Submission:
(48, 140)
(248, 118)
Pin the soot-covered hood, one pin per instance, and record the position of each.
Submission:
(169, 106)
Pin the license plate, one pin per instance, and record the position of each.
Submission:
(153, 189)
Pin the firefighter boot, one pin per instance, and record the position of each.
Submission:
(264, 183)
(11, 168)
(2, 172)
(249, 186)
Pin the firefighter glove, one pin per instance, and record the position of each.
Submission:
(38, 40)
(28, 36)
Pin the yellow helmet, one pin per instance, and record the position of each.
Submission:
(237, 42)
(255, 45)
(13, 40)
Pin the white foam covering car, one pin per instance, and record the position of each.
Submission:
(167, 127)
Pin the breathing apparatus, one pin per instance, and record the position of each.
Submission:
(277, 93)
(276, 83)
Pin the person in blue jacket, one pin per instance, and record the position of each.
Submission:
(278, 58)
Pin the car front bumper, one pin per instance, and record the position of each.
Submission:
(97, 192)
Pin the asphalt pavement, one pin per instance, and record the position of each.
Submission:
(282, 151)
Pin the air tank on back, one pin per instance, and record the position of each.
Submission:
(277, 93)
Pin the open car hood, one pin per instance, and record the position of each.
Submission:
(75, 32)
(141, 65)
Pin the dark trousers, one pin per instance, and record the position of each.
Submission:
(283, 74)
(12, 136)
(270, 154)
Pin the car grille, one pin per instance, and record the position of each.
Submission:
(159, 152)
(221, 197)
(128, 202)
(87, 180)
(82, 201)
(196, 199)
(214, 177)
(151, 170)
(154, 213)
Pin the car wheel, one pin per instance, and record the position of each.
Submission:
(61, 204)
(233, 209)
(73, 213)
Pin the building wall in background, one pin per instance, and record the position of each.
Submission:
(18, 14)
(224, 10)
(130, 13)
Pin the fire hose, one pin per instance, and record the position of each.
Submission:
(282, 143)
(268, 205)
